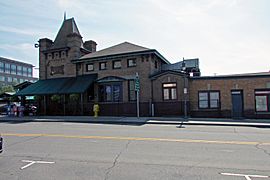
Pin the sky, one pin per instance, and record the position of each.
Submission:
(228, 36)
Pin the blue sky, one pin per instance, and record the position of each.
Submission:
(228, 36)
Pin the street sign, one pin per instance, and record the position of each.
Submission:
(137, 84)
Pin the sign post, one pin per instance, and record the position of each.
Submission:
(137, 89)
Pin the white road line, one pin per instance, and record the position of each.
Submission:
(31, 163)
(34, 162)
(248, 177)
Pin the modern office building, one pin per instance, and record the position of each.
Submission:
(13, 72)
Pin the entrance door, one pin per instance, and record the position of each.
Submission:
(237, 104)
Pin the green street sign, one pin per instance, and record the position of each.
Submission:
(137, 84)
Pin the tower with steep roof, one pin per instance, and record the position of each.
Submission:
(55, 56)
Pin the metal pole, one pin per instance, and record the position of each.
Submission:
(64, 104)
(45, 105)
(137, 95)
(185, 98)
(138, 104)
(81, 103)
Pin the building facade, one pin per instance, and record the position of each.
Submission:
(237, 96)
(74, 76)
(13, 72)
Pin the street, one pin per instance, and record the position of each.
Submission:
(66, 150)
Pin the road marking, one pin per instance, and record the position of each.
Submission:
(141, 139)
(34, 162)
(248, 177)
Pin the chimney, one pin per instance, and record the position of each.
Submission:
(90, 45)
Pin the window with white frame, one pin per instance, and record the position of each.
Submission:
(169, 91)
(89, 67)
(262, 100)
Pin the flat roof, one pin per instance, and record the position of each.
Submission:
(15, 61)
(244, 75)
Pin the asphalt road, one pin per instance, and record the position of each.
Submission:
(57, 150)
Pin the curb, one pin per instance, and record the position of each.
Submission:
(180, 123)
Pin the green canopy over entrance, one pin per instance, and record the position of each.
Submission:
(68, 85)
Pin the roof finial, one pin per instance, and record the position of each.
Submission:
(64, 15)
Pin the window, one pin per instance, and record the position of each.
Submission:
(29, 72)
(156, 64)
(262, 100)
(15, 80)
(209, 100)
(2, 67)
(2, 78)
(7, 68)
(110, 92)
(13, 69)
(131, 89)
(102, 65)
(116, 64)
(24, 71)
(19, 70)
(169, 91)
(131, 62)
(203, 100)
(9, 79)
(63, 54)
(89, 67)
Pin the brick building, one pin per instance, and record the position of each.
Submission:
(78, 75)
(237, 96)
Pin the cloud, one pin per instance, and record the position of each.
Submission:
(24, 31)
(17, 47)
(23, 52)
(225, 35)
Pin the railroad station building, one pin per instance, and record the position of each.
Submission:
(74, 76)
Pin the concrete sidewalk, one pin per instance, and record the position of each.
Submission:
(263, 123)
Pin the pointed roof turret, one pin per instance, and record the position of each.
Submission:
(68, 27)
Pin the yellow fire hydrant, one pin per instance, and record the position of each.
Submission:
(96, 110)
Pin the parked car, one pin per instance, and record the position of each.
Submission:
(1, 143)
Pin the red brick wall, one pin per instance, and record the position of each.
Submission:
(225, 85)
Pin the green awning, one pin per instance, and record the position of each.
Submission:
(68, 85)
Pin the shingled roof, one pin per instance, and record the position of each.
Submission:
(68, 27)
(124, 48)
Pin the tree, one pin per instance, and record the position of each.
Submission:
(7, 88)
